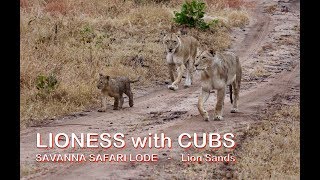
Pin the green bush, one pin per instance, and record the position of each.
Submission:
(46, 83)
(87, 34)
(191, 15)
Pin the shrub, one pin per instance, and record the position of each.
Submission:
(238, 19)
(191, 15)
(87, 34)
(46, 83)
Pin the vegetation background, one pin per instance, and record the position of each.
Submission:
(66, 43)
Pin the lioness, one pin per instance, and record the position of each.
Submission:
(217, 71)
(181, 52)
(115, 87)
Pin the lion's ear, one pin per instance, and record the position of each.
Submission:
(108, 77)
(171, 29)
(176, 35)
(199, 51)
(101, 75)
(163, 33)
(212, 52)
(183, 31)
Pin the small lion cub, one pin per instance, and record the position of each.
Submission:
(115, 87)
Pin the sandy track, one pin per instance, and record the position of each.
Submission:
(162, 110)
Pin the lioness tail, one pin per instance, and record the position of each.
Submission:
(230, 88)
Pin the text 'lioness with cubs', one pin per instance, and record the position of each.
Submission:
(217, 71)
(181, 52)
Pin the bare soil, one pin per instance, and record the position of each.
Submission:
(270, 42)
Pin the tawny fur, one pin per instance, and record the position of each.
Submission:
(115, 87)
(217, 71)
(181, 52)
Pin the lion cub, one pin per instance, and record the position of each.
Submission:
(115, 87)
(217, 71)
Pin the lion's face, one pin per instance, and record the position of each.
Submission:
(171, 42)
(204, 59)
(103, 81)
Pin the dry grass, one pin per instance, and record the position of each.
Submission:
(296, 27)
(26, 170)
(234, 4)
(272, 149)
(271, 9)
(56, 6)
(197, 170)
(259, 72)
(267, 150)
(267, 47)
(75, 40)
(287, 40)
(238, 18)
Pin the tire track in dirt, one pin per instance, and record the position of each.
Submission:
(252, 102)
(148, 115)
(258, 30)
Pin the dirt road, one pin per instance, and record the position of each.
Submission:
(269, 52)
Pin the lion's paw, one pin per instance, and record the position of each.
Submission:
(218, 118)
(234, 110)
(187, 85)
(206, 116)
(173, 87)
(116, 108)
(102, 110)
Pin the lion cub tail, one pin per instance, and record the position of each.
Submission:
(133, 81)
